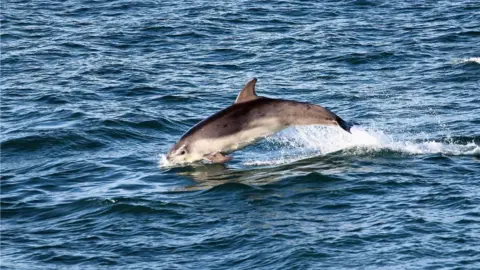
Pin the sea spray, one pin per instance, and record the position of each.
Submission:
(307, 142)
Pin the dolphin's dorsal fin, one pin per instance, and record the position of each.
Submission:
(248, 92)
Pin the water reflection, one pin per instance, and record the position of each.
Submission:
(206, 176)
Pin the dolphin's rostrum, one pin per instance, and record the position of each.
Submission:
(248, 120)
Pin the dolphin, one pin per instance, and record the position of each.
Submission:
(250, 119)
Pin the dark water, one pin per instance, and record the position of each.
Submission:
(93, 93)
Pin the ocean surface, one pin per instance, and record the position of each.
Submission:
(94, 93)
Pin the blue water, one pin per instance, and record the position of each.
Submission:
(93, 94)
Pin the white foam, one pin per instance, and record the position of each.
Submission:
(163, 161)
(306, 142)
(468, 60)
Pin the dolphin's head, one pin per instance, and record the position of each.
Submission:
(182, 152)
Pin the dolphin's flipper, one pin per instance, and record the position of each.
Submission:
(218, 157)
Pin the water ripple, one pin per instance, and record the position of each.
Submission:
(92, 92)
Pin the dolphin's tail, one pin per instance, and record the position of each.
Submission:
(344, 124)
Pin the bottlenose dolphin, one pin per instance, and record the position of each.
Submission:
(250, 119)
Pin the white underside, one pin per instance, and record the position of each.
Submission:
(259, 130)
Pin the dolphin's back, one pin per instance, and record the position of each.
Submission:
(247, 115)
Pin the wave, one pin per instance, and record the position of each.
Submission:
(50, 140)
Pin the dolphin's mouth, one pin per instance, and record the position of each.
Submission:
(170, 161)
(166, 162)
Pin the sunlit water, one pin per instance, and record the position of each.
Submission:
(94, 93)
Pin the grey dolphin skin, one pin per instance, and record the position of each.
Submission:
(250, 119)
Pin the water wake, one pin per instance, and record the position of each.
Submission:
(306, 142)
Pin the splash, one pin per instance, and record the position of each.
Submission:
(298, 143)
(305, 142)
(475, 60)
(163, 161)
